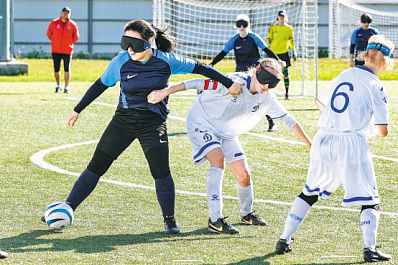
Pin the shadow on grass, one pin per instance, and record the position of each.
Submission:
(263, 260)
(33, 241)
(256, 260)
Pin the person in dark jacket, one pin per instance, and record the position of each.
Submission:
(359, 39)
(246, 45)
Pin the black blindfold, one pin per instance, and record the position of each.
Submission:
(267, 76)
(366, 20)
(137, 45)
(243, 23)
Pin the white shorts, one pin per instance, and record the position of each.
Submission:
(342, 158)
(203, 140)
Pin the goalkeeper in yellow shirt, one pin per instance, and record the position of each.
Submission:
(280, 39)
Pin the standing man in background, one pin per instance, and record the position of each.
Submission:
(63, 34)
(359, 39)
(280, 39)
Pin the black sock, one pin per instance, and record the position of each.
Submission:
(84, 185)
(165, 192)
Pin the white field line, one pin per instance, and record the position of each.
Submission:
(38, 159)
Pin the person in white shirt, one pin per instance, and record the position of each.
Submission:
(214, 122)
(354, 107)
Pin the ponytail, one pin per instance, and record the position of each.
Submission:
(164, 42)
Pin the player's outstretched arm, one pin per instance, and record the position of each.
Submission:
(72, 118)
(158, 95)
(382, 130)
(301, 134)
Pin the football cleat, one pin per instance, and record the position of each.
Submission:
(58, 89)
(66, 90)
(287, 97)
(282, 247)
(3, 254)
(43, 219)
(221, 226)
(170, 225)
(375, 256)
(252, 219)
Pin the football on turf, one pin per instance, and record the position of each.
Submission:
(58, 215)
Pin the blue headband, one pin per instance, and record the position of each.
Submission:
(380, 47)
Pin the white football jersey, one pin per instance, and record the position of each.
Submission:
(229, 117)
(355, 101)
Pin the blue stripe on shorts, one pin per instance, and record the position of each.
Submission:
(360, 199)
(317, 190)
(203, 148)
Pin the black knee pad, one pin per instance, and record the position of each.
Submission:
(158, 160)
(100, 162)
(375, 206)
(309, 199)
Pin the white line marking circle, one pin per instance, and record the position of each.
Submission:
(38, 159)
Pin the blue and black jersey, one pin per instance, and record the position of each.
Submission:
(246, 50)
(138, 79)
(360, 38)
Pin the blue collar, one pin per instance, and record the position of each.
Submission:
(364, 68)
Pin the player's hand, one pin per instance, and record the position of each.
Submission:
(282, 63)
(210, 65)
(352, 63)
(156, 96)
(294, 56)
(72, 118)
(235, 89)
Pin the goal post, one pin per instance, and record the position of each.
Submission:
(203, 27)
(344, 18)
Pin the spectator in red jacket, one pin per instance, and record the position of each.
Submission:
(63, 33)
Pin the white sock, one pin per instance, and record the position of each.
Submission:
(58, 86)
(245, 195)
(369, 223)
(298, 212)
(214, 192)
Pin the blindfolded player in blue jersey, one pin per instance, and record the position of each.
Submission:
(140, 68)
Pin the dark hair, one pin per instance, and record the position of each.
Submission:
(366, 18)
(164, 42)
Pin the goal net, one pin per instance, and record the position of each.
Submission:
(344, 18)
(203, 27)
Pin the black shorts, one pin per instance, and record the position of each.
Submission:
(285, 57)
(129, 124)
(57, 57)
